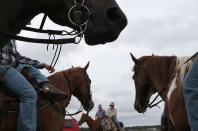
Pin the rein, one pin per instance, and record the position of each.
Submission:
(70, 93)
(151, 105)
(76, 21)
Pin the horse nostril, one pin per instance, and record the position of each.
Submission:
(113, 15)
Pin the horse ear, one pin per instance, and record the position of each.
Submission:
(72, 66)
(153, 54)
(133, 58)
(85, 68)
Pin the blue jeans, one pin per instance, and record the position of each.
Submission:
(190, 91)
(103, 125)
(115, 120)
(15, 82)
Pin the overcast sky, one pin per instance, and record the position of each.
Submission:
(162, 27)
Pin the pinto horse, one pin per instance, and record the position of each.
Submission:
(105, 18)
(110, 125)
(94, 125)
(164, 75)
(74, 81)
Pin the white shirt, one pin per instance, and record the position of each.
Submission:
(111, 112)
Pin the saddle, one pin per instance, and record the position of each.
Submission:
(9, 103)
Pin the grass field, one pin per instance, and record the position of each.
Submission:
(136, 128)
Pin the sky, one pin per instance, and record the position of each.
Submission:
(162, 27)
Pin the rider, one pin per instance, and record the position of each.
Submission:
(100, 115)
(11, 66)
(112, 113)
(190, 90)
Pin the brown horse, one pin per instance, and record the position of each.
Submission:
(106, 19)
(49, 118)
(162, 74)
(94, 125)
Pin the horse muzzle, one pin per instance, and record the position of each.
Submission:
(139, 108)
(89, 106)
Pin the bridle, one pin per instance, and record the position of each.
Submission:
(70, 94)
(76, 20)
(75, 16)
(152, 104)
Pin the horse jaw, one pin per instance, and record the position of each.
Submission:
(141, 103)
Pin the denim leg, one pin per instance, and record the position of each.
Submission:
(190, 91)
(103, 125)
(16, 83)
(115, 120)
(34, 72)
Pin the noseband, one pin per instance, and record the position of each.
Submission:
(76, 21)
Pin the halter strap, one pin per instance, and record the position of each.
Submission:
(69, 83)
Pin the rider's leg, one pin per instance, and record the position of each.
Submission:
(34, 72)
(47, 87)
(115, 120)
(17, 84)
(103, 125)
(190, 91)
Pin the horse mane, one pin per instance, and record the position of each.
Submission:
(183, 67)
(159, 65)
(58, 79)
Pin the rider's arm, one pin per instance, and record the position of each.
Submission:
(29, 61)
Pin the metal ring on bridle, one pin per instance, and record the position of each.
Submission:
(75, 6)
(83, 1)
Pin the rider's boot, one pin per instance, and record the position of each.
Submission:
(52, 93)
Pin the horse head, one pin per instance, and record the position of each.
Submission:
(143, 83)
(83, 87)
(82, 119)
(105, 19)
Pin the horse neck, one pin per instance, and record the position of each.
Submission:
(162, 71)
(90, 123)
(59, 81)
